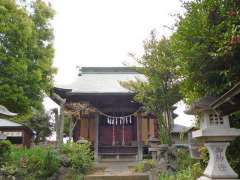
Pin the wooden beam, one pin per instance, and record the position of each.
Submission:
(96, 138)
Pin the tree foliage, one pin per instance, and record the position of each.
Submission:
(207, 47)
(160, 92)
(26, 54)
(200, 58)
(41, 123)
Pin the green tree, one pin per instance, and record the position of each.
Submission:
(207, 47)
(41, 124)
(207, 50)
(160, 92)
(26, 54)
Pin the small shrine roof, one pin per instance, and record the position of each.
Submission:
(8, 123)
(102, 80)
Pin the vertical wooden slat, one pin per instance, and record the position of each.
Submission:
(96, 139)
(144, 134)
(139, 136)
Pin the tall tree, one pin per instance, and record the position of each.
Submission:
(160, 92)
(207, 50)
(207, 47)
(26, 54)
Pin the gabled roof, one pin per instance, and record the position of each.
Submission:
(8, 123)
(102, 80)
(5, 111)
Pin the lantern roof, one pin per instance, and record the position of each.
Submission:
(203, 104)
(228, 102)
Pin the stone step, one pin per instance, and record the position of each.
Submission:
(117, 177)
(115, 160)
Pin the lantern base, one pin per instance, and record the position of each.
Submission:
(218, 166)
(207, 178)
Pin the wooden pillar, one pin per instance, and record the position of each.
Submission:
(139, 137)
(148, 127)
(61, 122)
(71, 129)
(57, 126)
(96, 138)
(88, 123)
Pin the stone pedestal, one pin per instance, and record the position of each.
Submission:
(218, 167)
(154, 147)
(154, 152)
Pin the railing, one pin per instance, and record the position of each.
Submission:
(117, 150)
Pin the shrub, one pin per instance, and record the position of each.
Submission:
(145, 165)
(38, 162)
(204, 156)
(5, 148)
(189, 173)
(184, 160)
(187, 168)
(233, 155)
(51, 163)
(80, 155)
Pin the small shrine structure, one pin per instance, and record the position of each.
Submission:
(105, 113)
(16, 133)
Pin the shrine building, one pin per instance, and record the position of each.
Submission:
(106, 114)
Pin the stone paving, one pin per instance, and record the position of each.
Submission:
(116, 171)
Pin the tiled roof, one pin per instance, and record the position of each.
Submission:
(8, 123)
(179, 128)
(102, 80)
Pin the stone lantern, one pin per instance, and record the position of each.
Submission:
(154, 147)
(216, 134)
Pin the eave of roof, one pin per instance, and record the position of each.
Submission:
(108, 70)
(7, 123)
(226, 97)
(99, 93)
(101, 80)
